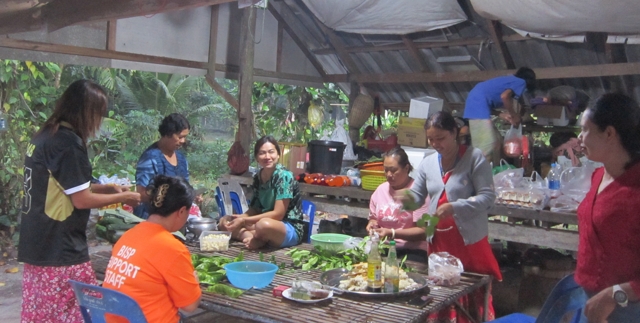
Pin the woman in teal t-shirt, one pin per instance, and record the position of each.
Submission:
(274, 216)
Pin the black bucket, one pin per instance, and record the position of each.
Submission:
(325, 156)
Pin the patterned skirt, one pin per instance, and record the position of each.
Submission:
(47, 296)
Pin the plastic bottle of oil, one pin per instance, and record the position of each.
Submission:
(374, 268)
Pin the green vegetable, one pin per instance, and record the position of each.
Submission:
(225, 290)
(429, 223)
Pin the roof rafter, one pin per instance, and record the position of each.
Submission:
(62, 13)
(478, 76)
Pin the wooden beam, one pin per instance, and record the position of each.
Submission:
(222, 91)
(111, 35)
(279, 46)
(245, 82)
(478, 76)
(62, 13)
(131, 57)
(451, 43)
(552, 238)
(495, 28)
(213, 40)
(336, 42)
(99, 53)
(301, 44)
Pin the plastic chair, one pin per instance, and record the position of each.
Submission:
(567, 296)
(232, 196)
(309, 209)
(94, 307)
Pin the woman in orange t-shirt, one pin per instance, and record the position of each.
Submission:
(149, 264)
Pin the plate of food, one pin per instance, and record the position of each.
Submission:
(314, 296)
(354, 282)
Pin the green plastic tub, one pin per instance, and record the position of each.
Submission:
(329, 241)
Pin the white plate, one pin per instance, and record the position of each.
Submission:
(287, 294)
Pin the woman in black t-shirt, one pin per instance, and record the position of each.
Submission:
(58, 195)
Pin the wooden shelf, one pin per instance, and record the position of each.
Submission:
(544, 215)
(537, 128)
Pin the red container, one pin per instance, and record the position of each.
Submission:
(382, 145)
(277, 291)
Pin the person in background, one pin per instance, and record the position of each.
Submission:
(163, 279)
(609, 244)
(566, 144)
(387, 217)
(58, 196)
(163, 157)
(459, 182)
(495, 93)
(275, 215)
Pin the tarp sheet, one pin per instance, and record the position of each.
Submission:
(566, 20)
(397, 17)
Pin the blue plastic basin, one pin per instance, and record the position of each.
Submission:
(247, 274)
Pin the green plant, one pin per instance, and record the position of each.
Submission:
(27, 93)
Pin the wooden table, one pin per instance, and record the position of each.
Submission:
(261, 306)
(333, 201)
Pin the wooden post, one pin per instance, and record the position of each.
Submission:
(245, 115)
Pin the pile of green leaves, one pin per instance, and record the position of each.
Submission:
(210, 271)
(326, 260)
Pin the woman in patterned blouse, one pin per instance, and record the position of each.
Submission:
(274, 216)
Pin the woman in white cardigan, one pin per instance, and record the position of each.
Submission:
(459, 182)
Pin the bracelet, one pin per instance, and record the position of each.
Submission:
(393, 233)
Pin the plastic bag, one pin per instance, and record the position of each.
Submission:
(513, 142)
(504, 165)
(341, 135)
(444, 269)
(511, 178)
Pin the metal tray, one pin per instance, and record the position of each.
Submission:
(333, 277)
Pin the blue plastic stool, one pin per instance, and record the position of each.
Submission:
(93, 307)
(309, 209)
(567, 296)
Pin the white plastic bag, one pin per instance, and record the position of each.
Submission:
(510, 178)
(444, 269)
(513, 142)
(341, 135)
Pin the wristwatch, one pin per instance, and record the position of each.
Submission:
(620, 296)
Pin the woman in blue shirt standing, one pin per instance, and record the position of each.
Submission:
(162, 158)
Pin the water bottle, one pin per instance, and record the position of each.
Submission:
(553, 178)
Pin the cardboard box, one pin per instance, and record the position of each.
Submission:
(551, 115)
(294, 157)
(425, 106)
(411, 132)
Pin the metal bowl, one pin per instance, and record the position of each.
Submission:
(198, 225)
(333, 277)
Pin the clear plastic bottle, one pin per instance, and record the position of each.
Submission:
(374, 268)
(392, 270)
(553, 177)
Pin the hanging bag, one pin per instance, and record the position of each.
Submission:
(513, 142)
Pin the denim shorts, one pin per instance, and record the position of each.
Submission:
(291, 237)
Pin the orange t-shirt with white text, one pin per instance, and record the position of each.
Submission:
(151, 266)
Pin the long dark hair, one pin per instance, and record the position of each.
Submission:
(623, 114)
(264, 140)
(83, 105)
(172, 124)
(168, 194)
(442, 120)
(403, 159)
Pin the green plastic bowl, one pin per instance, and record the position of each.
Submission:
(329, 241)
